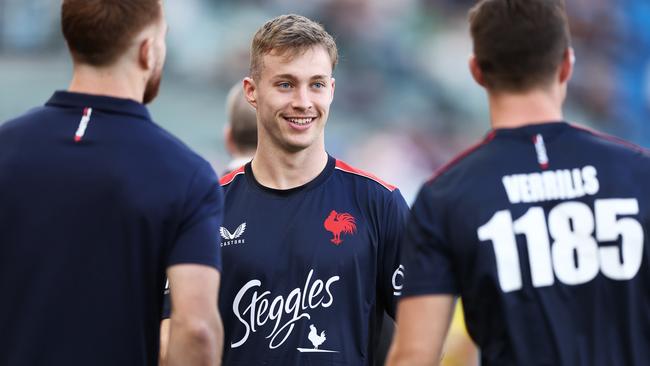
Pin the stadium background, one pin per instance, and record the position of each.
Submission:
(405, 102)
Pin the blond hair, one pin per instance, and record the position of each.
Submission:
(289, 34)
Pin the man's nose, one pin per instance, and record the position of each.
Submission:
(301, 99)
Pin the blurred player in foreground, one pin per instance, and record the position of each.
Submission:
(97, 202)
(310, 244)
(240, 133)
(541, 228)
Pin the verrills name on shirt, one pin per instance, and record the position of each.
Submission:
(551, 185)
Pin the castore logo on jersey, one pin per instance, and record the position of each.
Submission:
(340, 223)
(233, 238)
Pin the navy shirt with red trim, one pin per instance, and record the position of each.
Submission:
(543, 231)
(96, 201)
(308, 272)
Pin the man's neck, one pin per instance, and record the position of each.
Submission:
(512, 110)
(108, 81)
(278, 169)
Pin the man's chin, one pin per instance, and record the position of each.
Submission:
(293, 146)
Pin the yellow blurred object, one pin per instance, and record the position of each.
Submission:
(459, 349)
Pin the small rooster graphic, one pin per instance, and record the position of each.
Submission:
(314, 338)
(338, 223)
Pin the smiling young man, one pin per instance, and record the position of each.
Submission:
(98, 203)
(310, 244)
(542, 228)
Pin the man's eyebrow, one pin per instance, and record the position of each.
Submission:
(293, 77)
(319, 77)
(285, 76)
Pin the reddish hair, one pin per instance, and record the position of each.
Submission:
(98, 32)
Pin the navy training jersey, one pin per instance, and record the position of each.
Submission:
(543, 232)
(96, 201)
(308, 272)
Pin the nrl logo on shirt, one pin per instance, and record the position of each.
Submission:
(232, 238)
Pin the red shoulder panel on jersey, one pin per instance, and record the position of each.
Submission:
(611, 138)
(348, 169)
(228, 178)
(461, 156)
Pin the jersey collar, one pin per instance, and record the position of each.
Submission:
(322, 177)
(548, 130)
(99, 102)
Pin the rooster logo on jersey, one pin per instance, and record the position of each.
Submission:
(340, 223)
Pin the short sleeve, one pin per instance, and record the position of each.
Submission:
(202, 214)
(391, 269)
(427, 257)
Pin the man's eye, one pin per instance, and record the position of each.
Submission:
(284, 85)
(319, 85)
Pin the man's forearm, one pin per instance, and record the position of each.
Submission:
(195, 343)
(405, 355)
(164, 342)
(422, 323)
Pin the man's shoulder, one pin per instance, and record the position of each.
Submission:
(168, 147)
(363, 177)
(367, 190)
(18, 123)
(469, 162)
(231, 176)
(612, 144)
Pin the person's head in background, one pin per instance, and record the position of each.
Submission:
(521, 49)
(118, 46)
(240, 133)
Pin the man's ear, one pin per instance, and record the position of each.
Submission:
(566, 67)
(333, 87)
(475, 70)
(250, 91)
(146, 58)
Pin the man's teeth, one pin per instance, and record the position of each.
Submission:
(300, 121)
